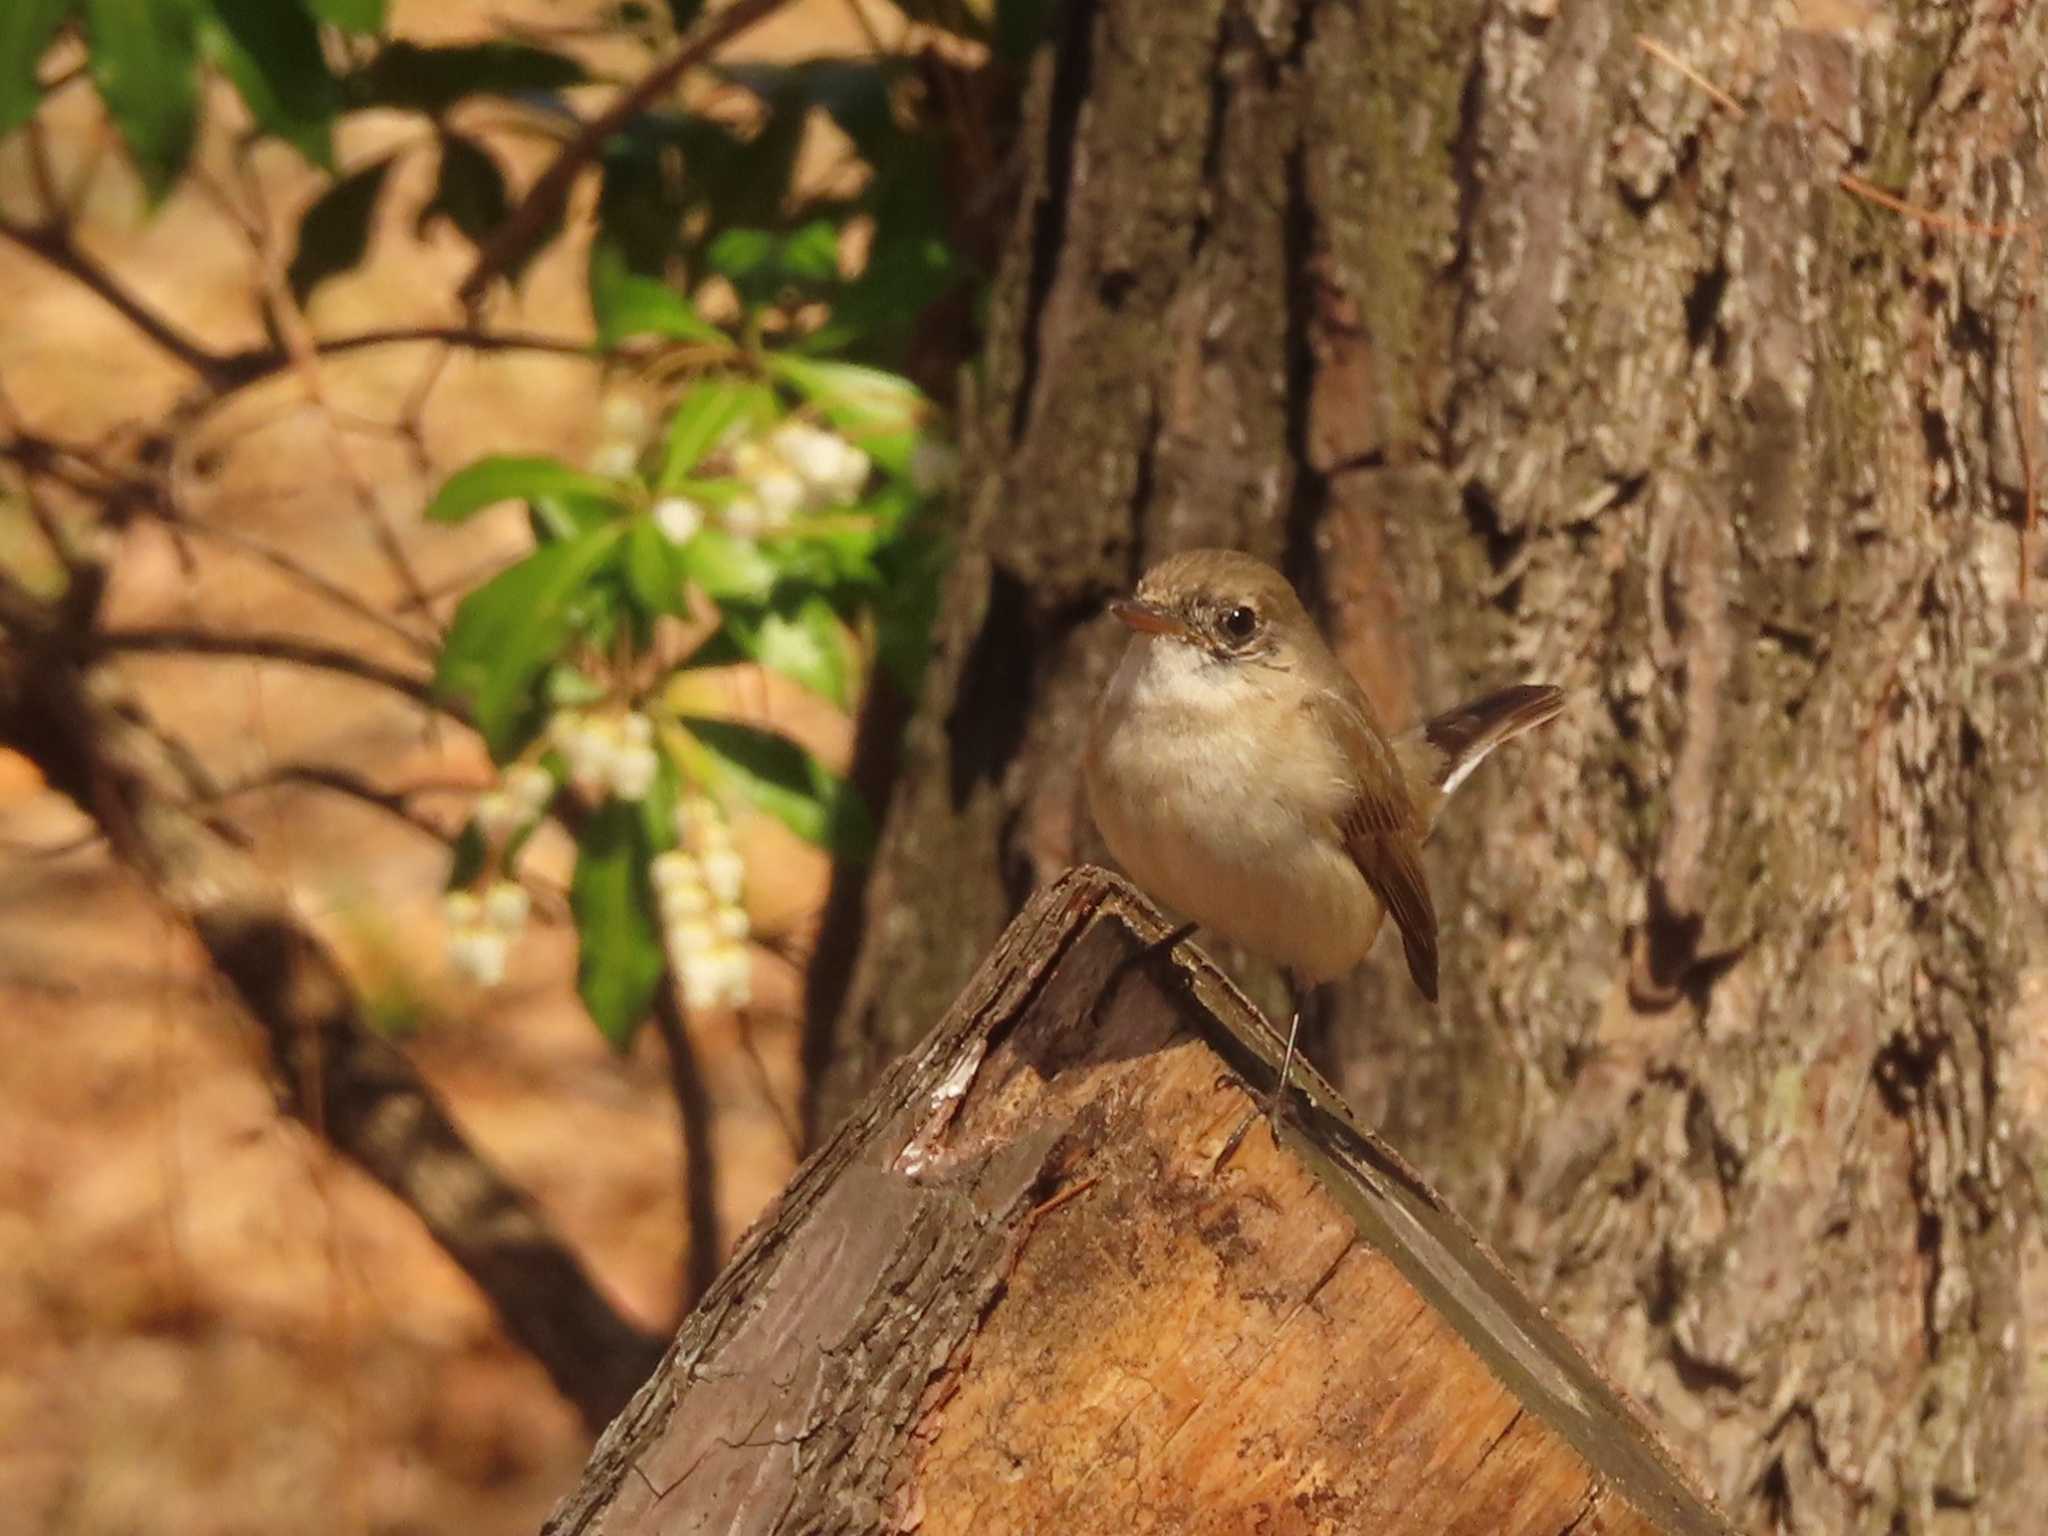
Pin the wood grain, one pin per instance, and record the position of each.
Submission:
(1018, 1292)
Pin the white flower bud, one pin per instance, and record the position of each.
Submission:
(683, 901)
(735, 974)
(691, 936)
(479, 954)
(462, 909)
(730, 923)
(781, 494)
(636, 728)
(498, 815)
(506, 906)
(679, 518)
(616, 459)
(833, 468)
(744, 517)
(725, 874)
(633, 770)
(703, 981)
(674, 869)
(530, 787)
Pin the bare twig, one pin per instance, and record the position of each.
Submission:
(54, 245)
(94, 742)
(515, 237)
(306, 576)
(1711, 91)
(290, 649)
(704, 1241)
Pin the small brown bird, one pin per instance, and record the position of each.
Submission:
(1241, 777)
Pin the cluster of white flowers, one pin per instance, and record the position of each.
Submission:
(481, 929)
(796, 468)
(517, 801)
(608, 755)
(703, 926)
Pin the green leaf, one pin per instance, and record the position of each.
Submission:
(628, 303)
(508, 477)
(351, 15)
(855, 399)
(470, 851)
(703, 417)
(802, 639)
(470, 192)
(761, 263)
(145, 56)
(728, 569)
(557, 516)
(782, 779)
(619, 961)
(507, 631)
(431, 80)
(335, 231)
(26, 27)
(271, 50)
(653, 569)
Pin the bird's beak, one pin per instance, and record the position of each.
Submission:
(1146, 619)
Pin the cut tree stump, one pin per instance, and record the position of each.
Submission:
(1017, 1293)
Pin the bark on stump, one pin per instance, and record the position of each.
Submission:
(1014, 1293)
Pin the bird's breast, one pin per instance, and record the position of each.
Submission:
(1220, 799)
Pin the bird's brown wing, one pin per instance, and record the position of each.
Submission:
(1383, 834)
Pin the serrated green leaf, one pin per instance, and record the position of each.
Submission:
(726, 568)
(781, 778)
(653, 570)
(713, 407)
(26, 27)
(628, 303)
(351, 15)
(507, 631)
(470, 190)
(145, 58)
(271, 50)
(800, 638)
(431, 80)
(511, 477)
(335, 232)
(619, 959)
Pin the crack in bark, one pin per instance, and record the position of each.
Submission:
(1073, 70)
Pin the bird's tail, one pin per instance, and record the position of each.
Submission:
(1438, 754)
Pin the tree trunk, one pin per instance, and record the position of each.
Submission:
(1033, 1284)
(1532, 359)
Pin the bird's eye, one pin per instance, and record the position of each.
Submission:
(1240, 623)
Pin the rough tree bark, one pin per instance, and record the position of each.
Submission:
(1531, 358)
(1034, 1283)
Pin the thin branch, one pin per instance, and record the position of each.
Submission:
(55, 246)
(704, 1241)
(305, 575)
(94, 742)
(176, 640)
(515, 237)
(465, 336)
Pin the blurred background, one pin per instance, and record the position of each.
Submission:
(209, 1321)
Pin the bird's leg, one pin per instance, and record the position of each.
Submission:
(1277, 1096)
